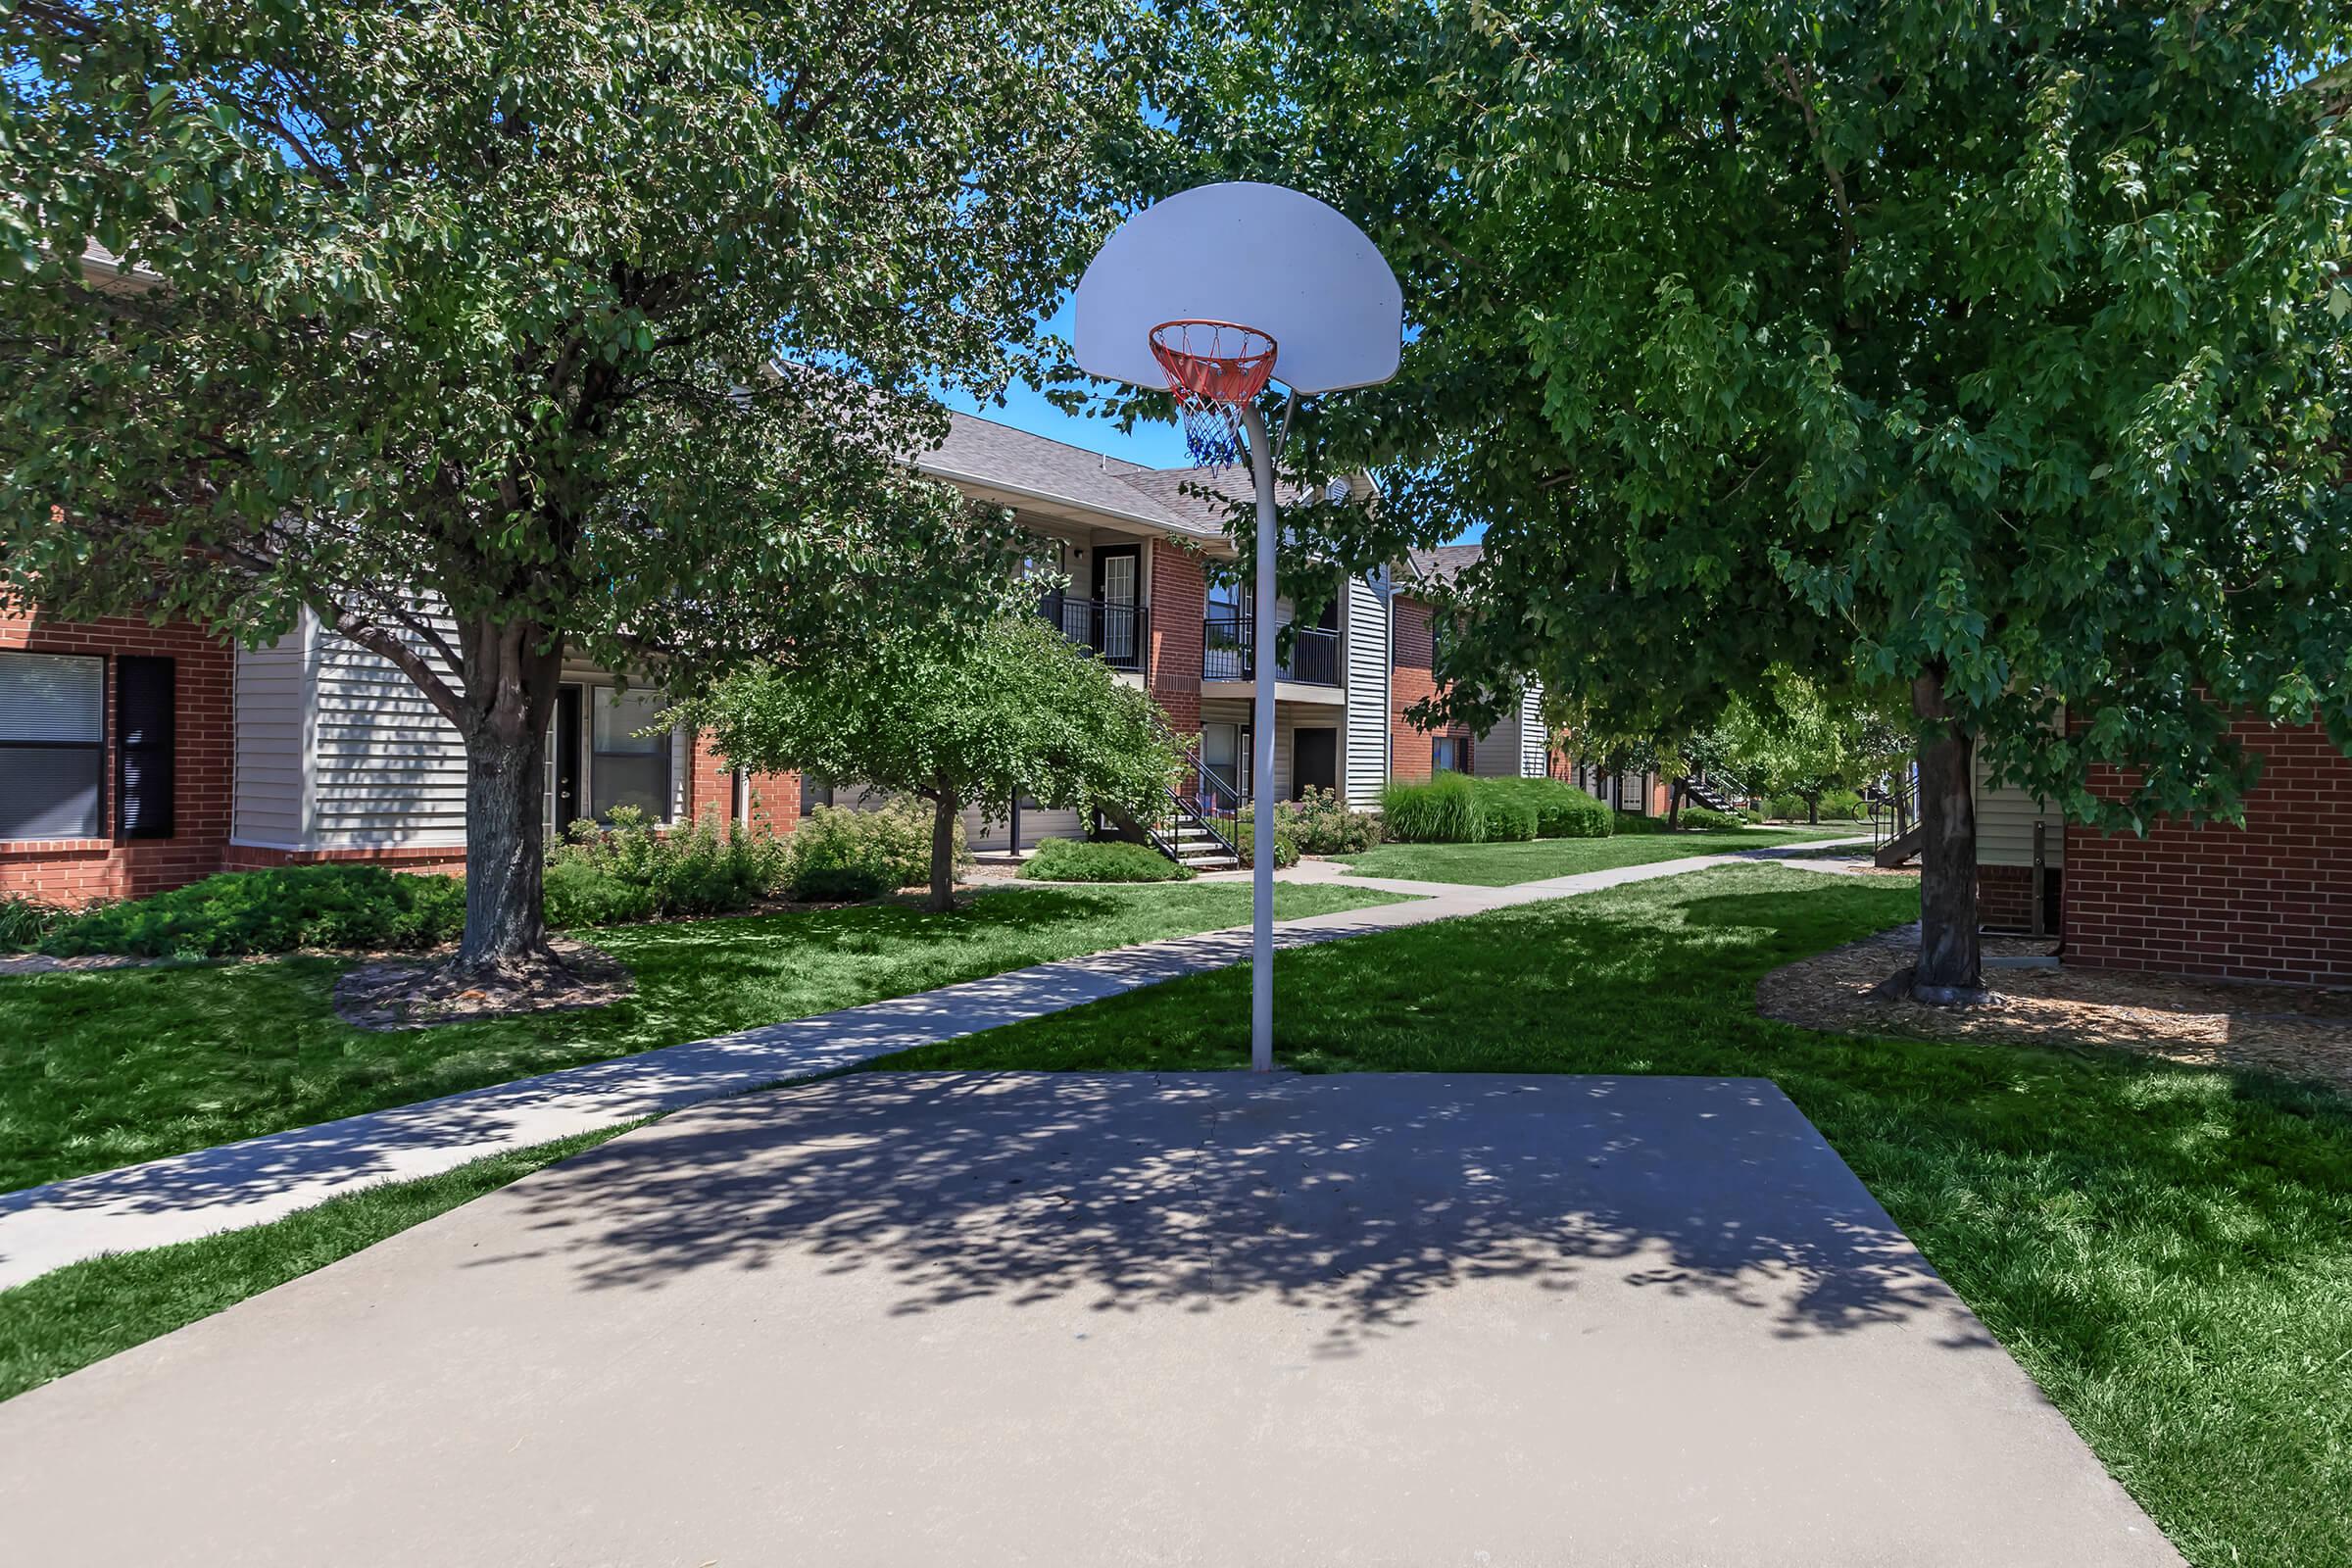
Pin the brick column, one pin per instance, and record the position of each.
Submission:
(1178, 601)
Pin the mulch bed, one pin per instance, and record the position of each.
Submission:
(2294, 1031)
(419, 993)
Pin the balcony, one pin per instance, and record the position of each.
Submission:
(1116, 633)
(1225, 654)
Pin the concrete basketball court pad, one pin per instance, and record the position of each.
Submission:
(903, 1319)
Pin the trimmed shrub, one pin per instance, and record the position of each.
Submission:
(1286, 842)
(1444, 811)
(1843, 805)
(1323, 824)
(1110, 860)
(1702, 818)
(25, 921)
(277, 910)
(1562, 811)
(1635, 822)
(1787, 808)
(580, 894)
(839, 853)
(1505, 812)
(699, 870)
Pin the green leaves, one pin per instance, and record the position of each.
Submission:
(481, 305)
(1860, 343)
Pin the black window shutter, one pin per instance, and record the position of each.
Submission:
(145, 702)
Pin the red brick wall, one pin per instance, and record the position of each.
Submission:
(2005, 897)
(74, 871)
(1178, 601)
(711, 792)
(1410, 681)
(2271, 902)
(435, 859)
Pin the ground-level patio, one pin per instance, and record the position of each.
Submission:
(1075, 1318)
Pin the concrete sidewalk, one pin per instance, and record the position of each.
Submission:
(1066, 1318)
(262, 1179)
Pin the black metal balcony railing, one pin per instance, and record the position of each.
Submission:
(1118, 633)
(1225, 654)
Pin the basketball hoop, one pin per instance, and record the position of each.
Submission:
(1213, 369)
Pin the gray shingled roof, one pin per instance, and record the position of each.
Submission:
(987, 453)
(993, 454)
(1446, 563)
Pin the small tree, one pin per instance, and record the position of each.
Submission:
(1017, 711)
(1793, 739)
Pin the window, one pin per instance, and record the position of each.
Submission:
(145, 705)
(1449, 754)
(52, 745)
(626, 769)
(815, 792)
(1228, 597)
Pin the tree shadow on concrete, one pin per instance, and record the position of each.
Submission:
(1353, 1198)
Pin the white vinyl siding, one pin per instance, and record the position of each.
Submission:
(1364, 765)
(387, 768)
(1535, 747)
(2005, 818)
(337, 748)
(1239, 714)
(272, 742)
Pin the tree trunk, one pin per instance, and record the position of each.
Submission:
(510, 695)
(1951, 969)
(1812, 811)
(943, 811)
(1674, 806)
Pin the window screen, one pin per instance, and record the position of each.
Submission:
(52, 745)
(626, 769)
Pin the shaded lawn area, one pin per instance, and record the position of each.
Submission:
(106, 1068)
(1495, 866)
(2166, 1249)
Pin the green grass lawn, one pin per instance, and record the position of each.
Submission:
(105, 1068)
(1495, 866)
(2166, 1249)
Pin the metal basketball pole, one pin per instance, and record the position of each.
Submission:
(1261, 752)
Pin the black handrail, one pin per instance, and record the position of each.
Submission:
(1226, 642)
(1116, 632)
(1201, 795)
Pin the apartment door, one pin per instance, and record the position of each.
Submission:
(1225, 750)
(1118, 586)
(1314, 761)
(568, 801)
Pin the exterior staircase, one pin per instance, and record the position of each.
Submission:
(1706, 793)
(1199, 821)
(1191, 841)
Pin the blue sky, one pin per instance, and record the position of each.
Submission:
(1160, 445)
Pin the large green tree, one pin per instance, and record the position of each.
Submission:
(1989, 361)
(956, 722)
(488, 328)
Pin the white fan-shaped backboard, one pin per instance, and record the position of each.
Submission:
(1259, 256)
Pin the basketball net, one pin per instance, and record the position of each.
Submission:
(1213, 367)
